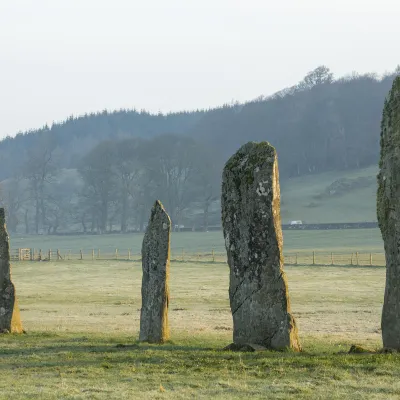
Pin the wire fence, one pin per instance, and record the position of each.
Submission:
(180, 255)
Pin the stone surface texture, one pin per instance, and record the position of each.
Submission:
(251, 222)
(388, 211)
(155, 290)
(10, 320)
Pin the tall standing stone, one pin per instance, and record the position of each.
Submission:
(10, 320)
(155, 263)
(388, 211)
(251, 220)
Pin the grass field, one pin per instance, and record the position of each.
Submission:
(302, 200)
(349, 240)
(82, 322)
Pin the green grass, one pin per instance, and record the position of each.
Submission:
(95, 367)
(82, 322)
(355, 205)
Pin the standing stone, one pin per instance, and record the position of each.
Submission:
(251, 220)
(9, 312)
(388, 211)
(155, 263)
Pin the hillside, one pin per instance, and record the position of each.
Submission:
(318, 125)
(348, 196)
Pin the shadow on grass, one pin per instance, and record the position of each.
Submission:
(109, 353)
(74, 346)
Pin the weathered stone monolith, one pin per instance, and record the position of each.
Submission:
(388, 211)
(10, 320)
(251, 220)
(155, 291)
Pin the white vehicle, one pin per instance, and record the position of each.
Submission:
(296, 222)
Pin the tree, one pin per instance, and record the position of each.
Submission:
(100, 182)
(128, 168)
(320, 75)
(40, 169)
(62, 195)
(171, 165)
(13, 196)
(207, 180)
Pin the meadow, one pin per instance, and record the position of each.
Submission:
(345, 241)
(82, 324)
(310, 197)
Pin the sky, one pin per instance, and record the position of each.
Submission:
(67, 57)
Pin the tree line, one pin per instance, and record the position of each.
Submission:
(113, 187)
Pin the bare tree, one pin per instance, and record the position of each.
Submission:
(40, 170)
(13, 196)
(318, 76)
(129, 169)
(172, 166)
(100, 183)
(207, 180)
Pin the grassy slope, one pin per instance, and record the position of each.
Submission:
(356, 205)
(76, 315)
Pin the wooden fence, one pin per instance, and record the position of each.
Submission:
(180, 255)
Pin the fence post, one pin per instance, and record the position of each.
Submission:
(213, 256)
(370, 258)
(98, 254)
(116, 254)
(92, 254)
(357, 258)
(313, 258)
(295, 260)
(332, 259)
(58, 254)
(351, 260)
(40, 254)
(80, 251)
(50, 255)
(129, 255)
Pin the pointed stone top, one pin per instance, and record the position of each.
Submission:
(159, 215)
(158, 208)
(158, 205)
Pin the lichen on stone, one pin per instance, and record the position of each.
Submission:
(251, 222)
(154, 326)
(388, 213)
(10, 320)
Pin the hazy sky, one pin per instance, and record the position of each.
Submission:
(63, 57)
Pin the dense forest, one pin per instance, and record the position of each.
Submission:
(101, 172)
